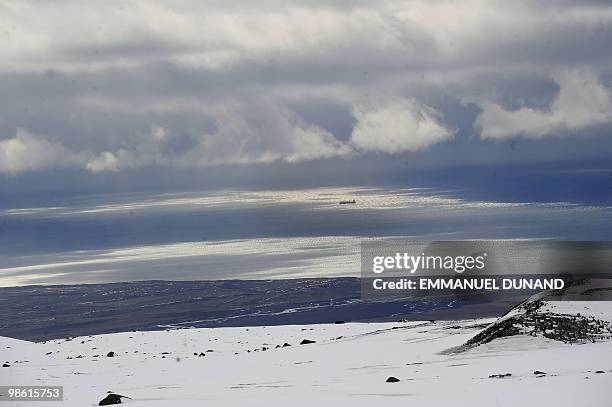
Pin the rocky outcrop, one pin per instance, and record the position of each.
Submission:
(539, 316)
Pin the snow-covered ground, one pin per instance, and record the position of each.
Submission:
(348, 365)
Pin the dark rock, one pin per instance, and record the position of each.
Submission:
(600, 371)
(539, 372)
(392, 379)
(500, 376)
(339, 322)
(110, 354)
(286, 344)
(6, 365)
(202, 354)
(497, 330)
(111, 399)
(533, 319)
(306, 342)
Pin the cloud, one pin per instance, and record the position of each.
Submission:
(217, 35)
(260, 130)
(106, 161)
(244, 133)
(190, 84)
(30, 152)
(582, 102)
(397, 125)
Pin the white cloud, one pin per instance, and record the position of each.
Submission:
(259, 130)
(245, 133)
(29, 152)
(397, 125)
(214, 34)
(582, 102)
(251, 131)
(106, 161)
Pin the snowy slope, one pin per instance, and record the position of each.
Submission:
(348, 365)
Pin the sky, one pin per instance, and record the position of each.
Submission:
(153, 93)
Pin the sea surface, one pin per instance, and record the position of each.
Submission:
(246, 235)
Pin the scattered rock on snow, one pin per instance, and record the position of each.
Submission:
(111, 399)
(500, 376)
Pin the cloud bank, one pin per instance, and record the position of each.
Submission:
(190, 84)
(26, 152)
(582, 102)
